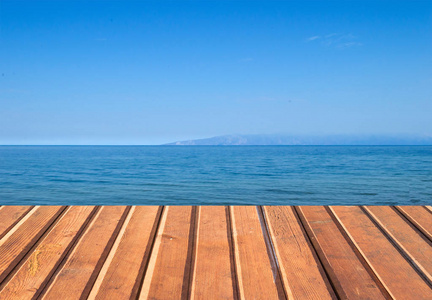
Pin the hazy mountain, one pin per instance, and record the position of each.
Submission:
(273, 139)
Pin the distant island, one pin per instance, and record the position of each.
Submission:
(280, 139)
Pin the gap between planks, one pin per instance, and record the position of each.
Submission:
(28, 250)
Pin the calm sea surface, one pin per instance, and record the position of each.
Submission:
(201, 175)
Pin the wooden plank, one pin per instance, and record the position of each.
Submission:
(419, 217)
(347, 273)
(121, 275)
(213, 275)
(15, 244)
(396, 274)
(47, 255)
(429, 208)
(302, 274)
(412, 243)
(254, 271)
(76, 277)
(362, 249)
(10, 215)
(167, 273)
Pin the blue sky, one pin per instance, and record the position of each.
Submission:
(149, 72)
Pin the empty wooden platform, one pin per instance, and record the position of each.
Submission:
(236, 252)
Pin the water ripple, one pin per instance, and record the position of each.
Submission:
(291, 175)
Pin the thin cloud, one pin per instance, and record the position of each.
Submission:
(349, 45)
(336, 40)
(313, 38)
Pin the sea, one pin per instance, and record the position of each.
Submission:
(215, 175)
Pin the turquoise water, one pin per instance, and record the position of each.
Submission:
(201, 175)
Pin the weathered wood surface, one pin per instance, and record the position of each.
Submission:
(129, 256)
(38, 267)
(389, 265)
(76, 277)
(409, 241)
(170, 267)
(303, 276)
(237, 252)
(20, 239)
(256, 275)
(213, 256)
(419, 216)
(10, 215)
(348, 274)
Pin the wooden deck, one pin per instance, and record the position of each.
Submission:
(237, 252)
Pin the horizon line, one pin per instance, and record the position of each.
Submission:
(173, 145)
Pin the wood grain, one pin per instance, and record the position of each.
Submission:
(241, 252)
(349, 276)
(47, 255)
(212, 275)
(77, 275)
(165, 276)
(302, 274)
(123, 268)
(412, 243)
(254, 271)
(393, 270)
(15, 244)
(420, 217)
(10, 215)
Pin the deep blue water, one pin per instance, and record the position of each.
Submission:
(199, 175)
